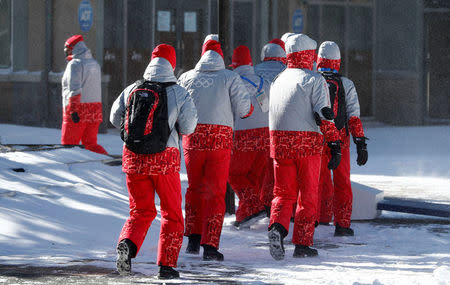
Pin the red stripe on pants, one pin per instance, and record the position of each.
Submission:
(141, 189)
(73, 133)
(246, 172)
(296, 180)
(207, 172)
(335, 194)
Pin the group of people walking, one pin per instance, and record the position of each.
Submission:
(273, 131)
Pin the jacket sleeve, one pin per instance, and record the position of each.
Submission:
(351, 98)
(321, 99)
(119, 107)
(320, 96)
(187, 116)
(353, 109)
(75, 78)
(239, 96)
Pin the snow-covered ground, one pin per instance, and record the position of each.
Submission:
(67, 209)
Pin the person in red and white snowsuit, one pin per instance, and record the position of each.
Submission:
(335, 195)
(147, 173)
(273, 60)
(218, 93)
(273, 57)
(250, 154)
(299, 103)
(81, 96)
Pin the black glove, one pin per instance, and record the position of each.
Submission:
(335, 149)
(75, 117)
(361, 149)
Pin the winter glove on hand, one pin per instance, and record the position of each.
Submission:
(75, 117)
(361, 149)
(335, 149)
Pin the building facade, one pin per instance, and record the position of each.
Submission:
(396, 51)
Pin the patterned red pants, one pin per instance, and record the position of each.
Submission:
(296, 180)
(141, 189)
(207, 172)
(247, 170)
(266, 194)
(72, 133)
(335, 194)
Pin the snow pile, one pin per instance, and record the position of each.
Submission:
(67, 208)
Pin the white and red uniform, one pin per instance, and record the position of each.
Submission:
(147, 173)
(81, 94)
(295, 139)
(273, 60)
(218, 93)
(250, 154)
(273, 57)
(335, 195)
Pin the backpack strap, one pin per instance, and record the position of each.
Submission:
(261, 82)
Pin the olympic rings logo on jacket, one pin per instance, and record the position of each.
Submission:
(203, 82)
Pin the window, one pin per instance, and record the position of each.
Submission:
(5, 33)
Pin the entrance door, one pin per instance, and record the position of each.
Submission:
(182, 24)
(437, 55)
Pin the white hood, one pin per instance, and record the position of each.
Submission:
(159, 70)
(329, 50)
(272, 50)
(210, 61)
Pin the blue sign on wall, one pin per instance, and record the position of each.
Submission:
(85, 15)
(297, 21)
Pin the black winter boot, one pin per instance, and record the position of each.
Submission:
(126, 250)
(276, 235)
(211, 253)
(167, 272)
(342, 232)
(193, 246)
(304, 251)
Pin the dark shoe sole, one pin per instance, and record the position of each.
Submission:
(306, 254)
(275, 246)
(169, 275)
(344, 234)
(123, 263)
(212, 258)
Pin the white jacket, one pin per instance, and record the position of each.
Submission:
(258, 119)
(269, 69)
(218, 93)
(295, 95)
(180, 105)
(82, 76)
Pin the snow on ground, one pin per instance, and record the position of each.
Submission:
(67, 209)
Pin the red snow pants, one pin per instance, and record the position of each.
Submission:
(72, 133)
(335, 194)
(247, 170)
(266, 194)
(141, 190)
(207, 172)
(296, 180)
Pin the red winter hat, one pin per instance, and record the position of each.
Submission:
(73, 40)
(167, 52)
(278, 42)
(212, 45)
(241, 56)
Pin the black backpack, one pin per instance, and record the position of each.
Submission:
(336, 88)
(145, 126)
